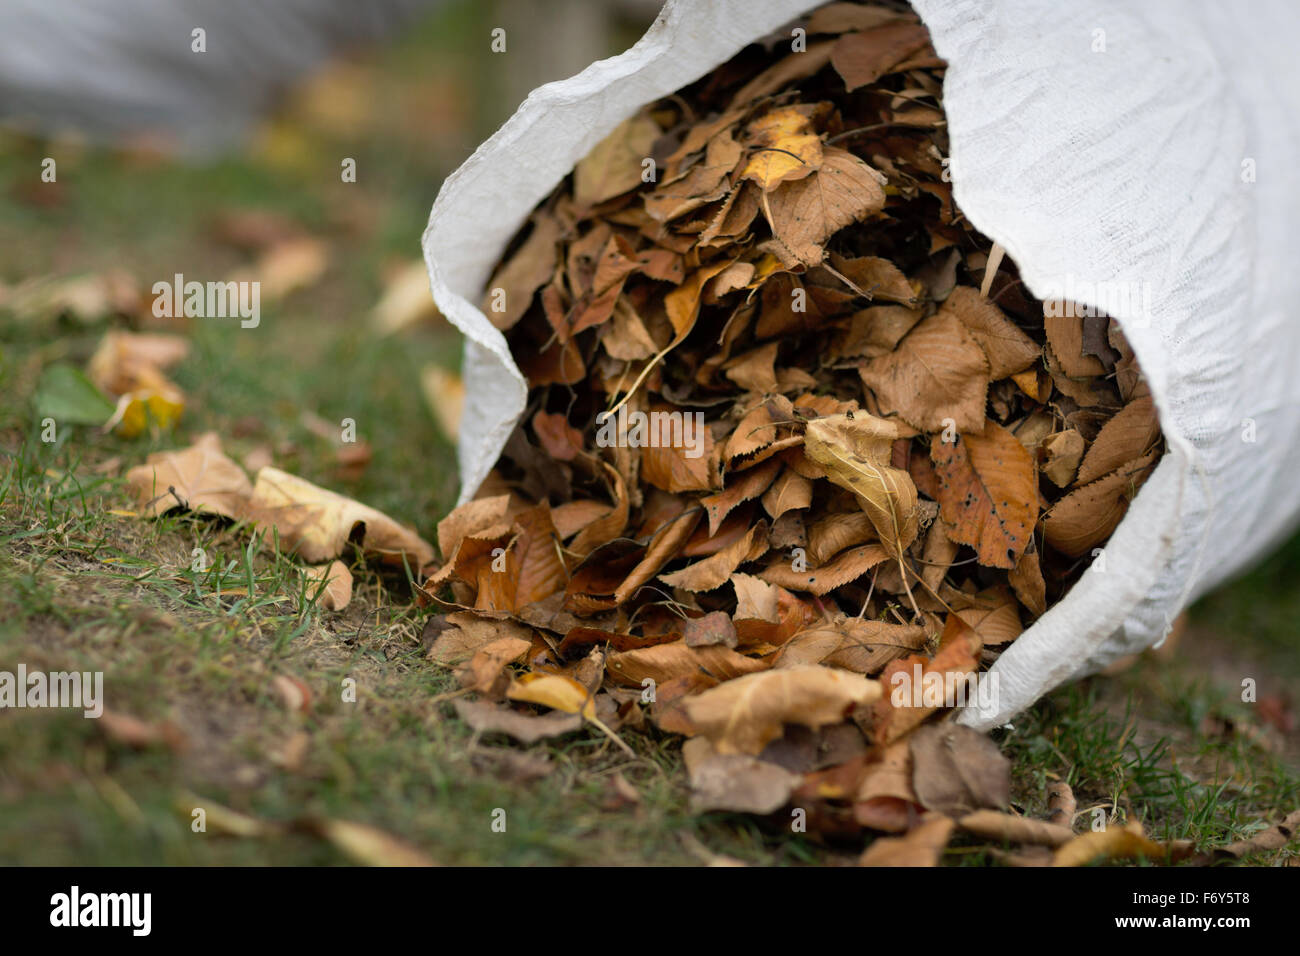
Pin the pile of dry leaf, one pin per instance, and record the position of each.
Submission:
(902, 463)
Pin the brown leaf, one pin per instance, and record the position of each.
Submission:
(805, 213)
(879, 278)
(533, 565)
(614, 165)
(923, 845)
(745, 714)
(1060, 803)
(1086, 516)
(1132, 433)
(756, 600)
(862, 58)
(286, 267)
(406, 299)
(907, 705)
(678, 465)
(790, 492)
(1007, 348)
(1026, 579)
(714, 628)
(956, 770)
(665, 662)
(1009, 828)
(201, 477)
(125, 729)
(1273, 838)
(987, 493)
(875, 331)
(126, 361)
(851, 644)
(835, 532)
(937, 377)
(318, 524)
(466, 633)
(561, 441)
(1065, 336)
(1062, 453)
(483, 673)
(845, 567)
(993, 616)
(715, 570)
(371, 846)
(1112, 843)
(444, 394)
(572, 516)
(664, 547)
(740, 487)
(735, 782)
(470, 518)
(705, 182)
(610, 525)
(785, 71)
(334, 583)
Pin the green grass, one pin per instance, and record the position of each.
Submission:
(83, 588)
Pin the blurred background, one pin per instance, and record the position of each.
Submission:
(128, 155)
(226, 162)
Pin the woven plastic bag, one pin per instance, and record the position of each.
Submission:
(1134, 158)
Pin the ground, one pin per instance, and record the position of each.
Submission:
(86, 585)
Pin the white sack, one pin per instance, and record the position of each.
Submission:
(1123, 166)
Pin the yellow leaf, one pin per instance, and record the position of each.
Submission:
(136, 410)
(785, 148)
(1113, 843)
(371, 846)
(555, 691)
(855, 450)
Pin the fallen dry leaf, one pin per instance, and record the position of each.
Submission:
(735, 782)
(200, 478)
(956, 770)
(744, 714)
(1009, 828)
(855, 449)
(803, 214)
(318, 524)
(923, 845)
(371, 846)
(987, 493)
(1113, 843)
(334, 584)
(486, 717)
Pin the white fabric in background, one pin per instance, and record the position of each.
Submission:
(1121, 166)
